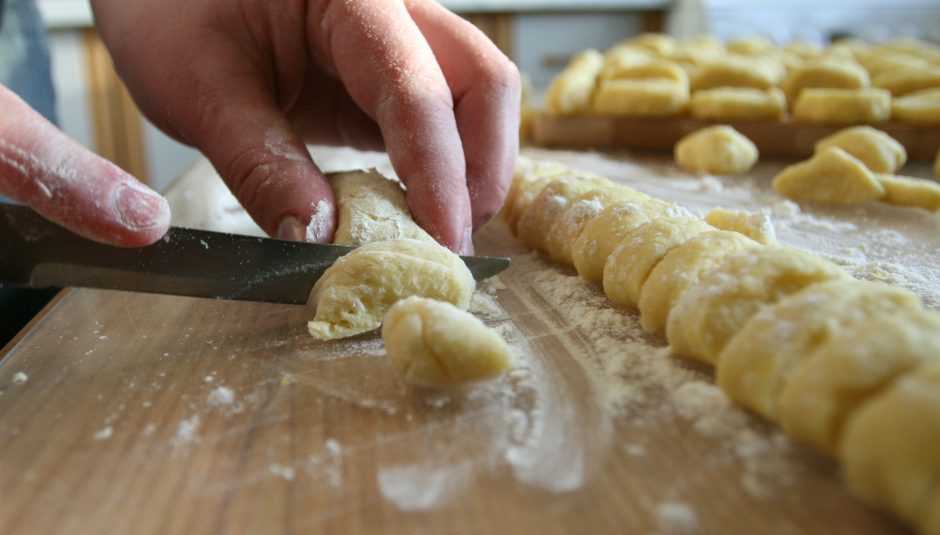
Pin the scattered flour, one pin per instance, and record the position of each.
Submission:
(20, 378)
(676, 518)
(103, 433)
(186, 432)
(221, 396)
(418, 487)
(284, 472)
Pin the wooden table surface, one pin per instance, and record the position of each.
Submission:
(159, 414)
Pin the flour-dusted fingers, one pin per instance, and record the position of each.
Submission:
(42, 167)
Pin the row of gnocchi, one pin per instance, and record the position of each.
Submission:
(401, 279)
(654, 75)
(848, 366)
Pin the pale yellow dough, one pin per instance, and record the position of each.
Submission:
(854, 365)
(891, 449)
(879, 152)
(604, 232)
(527, 172)
(827, 73)
(570, 92)
(724, 103)
(550, 203)
(681, 269)
(354, 293)
(719, 150)
(738, 71)
(911, 191)
(708, 314)
(755, 225)
(759, 361)
(831, 176)
(433, 343)
(917, 107)
(901, 82)
(372, 208)
(569, 225)
(842, 106)
(631, 262)
(524, 189)
(640, 98)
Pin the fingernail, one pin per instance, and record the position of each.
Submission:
(290, 228)
(140, 208)
(467, 247)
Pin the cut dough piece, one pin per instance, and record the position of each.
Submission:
(759, 361)
(550, 203)
(602, 234)
(707, 315)
(570, 92)
(755, 225)
(525, 193)
(877, 150)
(681, 269)
(831, 176)
(842, 106)
(527, 172)
(738, 71)
(851, 367)
(723, 103)
(433, 343)
(656, 42)
(902, 82)
(566, 229)
(917, 107)
(910, 191)
(631, 262)
(719, 150)
(354, 293)
(751, 46)
(891, 448)
(828, 73)
(640, 98)
(649, 69)
(372, 208)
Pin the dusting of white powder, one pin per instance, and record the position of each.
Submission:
(103, 433)
(676, 518)
(284, 472)
(20, 378)
(320, 222)
(186, 432)
(221, 396)
(418, 487)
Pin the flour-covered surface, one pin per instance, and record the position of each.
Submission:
(161, 414)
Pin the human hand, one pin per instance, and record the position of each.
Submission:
(249, 83)
(53, 174)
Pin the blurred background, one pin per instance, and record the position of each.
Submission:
(539, 35)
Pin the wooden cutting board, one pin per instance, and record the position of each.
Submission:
(159, 414)
(783, 139)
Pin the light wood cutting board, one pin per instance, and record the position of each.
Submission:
(122, 427)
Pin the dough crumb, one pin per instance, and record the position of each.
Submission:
(221, 397)
(20, 378)
(104, 433)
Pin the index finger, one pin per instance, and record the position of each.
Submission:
(390, 71)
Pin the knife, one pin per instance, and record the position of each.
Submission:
(37, 253)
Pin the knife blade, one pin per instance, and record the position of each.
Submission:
(37, 253)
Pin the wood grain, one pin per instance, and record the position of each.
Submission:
(145, 365)
(783, 139)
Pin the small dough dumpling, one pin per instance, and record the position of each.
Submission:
(354, 293)
(526, 172)
(631, 262)
(707, 315)
(759, 361)
(640, 98)
(754, 45)
(917, 107)
(851, 367)
(570, 92)
(842, 106)
(910, 191)
(602, 234)
(827, 72)
(755, 225)
(567, 227)
(724, 103)
(656, 42)
(650, 69)
(877, 150)
(719, 150)
(830, 176)
(372, 208)
(901, 82)
(683, 268)
(524, 190)
(738, 71)
(435, 344)
(550, 203)
(891, 449)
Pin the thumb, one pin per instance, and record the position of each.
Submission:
(45, 169)
(265, 164)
